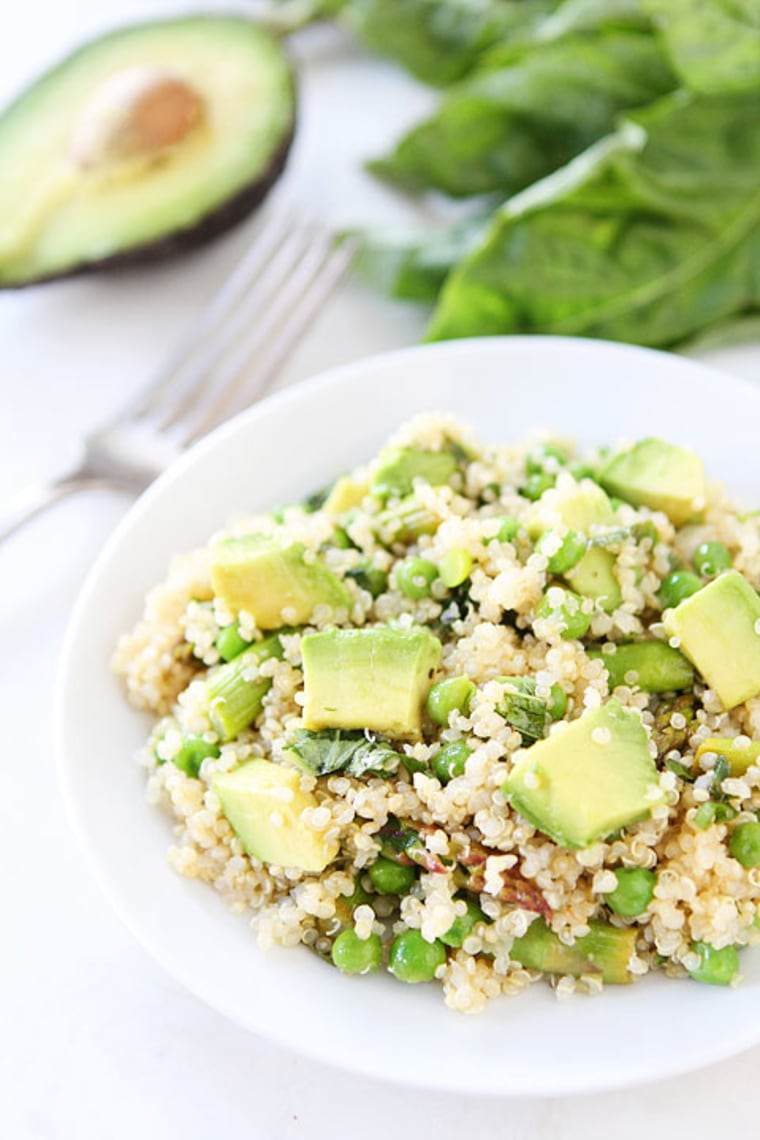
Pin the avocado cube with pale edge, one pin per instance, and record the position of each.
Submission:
(660, 476)
(400, 466)
(718, 629)
(277, 584)
(375, 679)
(587, 779)
(580, 507)
(264, 804)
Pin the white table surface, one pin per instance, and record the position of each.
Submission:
(95, 1040)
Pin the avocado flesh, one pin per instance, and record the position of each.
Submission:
(273, 583)
(580, 507)
(588, 779)
(740, 754)
(58, 218)
(605, 950)
(660, 476)
(402, 465)
(375, 679)
(658, 668)
(263, 803)
(594, 577)
(345, 493)
(718, 628)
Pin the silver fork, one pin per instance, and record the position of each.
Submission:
(232, 355)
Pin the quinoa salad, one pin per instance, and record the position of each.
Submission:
(478, 715)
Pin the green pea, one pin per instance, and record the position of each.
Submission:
(567, 555)
(744, 844)
(633, 893)
(716, 967)
(415, 576)
(413, 959)
(678, 585)
(450, 761)
(508, 529)
(230, 643)
(389, 878)
(192, 753)
(455, 568)
(451, 695)
(535, 461)
(355, 955)
(369, 578)
(463, 924)
(568, 613)
(710, 558)
(582, 470)
(535, 485)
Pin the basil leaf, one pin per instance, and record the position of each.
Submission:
(648, 236)
(510, 125)
(334, 750)
(714, 44)
(439, 41)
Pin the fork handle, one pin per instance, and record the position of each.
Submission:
(32, 500)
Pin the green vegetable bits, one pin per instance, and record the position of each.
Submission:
(413, 959)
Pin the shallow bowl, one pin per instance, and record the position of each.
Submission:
(279, 451)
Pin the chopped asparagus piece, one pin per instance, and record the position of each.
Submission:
(605, 950)
(653, 666)
(236, 692)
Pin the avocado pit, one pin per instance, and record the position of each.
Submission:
(138, 113)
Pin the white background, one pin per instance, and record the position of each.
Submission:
(95, 1040)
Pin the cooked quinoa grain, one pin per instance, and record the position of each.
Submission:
(480, 837)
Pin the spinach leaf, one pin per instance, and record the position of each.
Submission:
(714, 44)
(649, 236)
(334, 750)
(510, 125)
(439, 41)
(413, 263)
(590, 15)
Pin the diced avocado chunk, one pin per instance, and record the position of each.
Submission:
(580, 507)
(653, 666)
(605, 950)
(577, 506)
(375, 678)
(278, 585)
(236, 691)
(264, 804)
(400, 466)
(588, 779)
(741, 753)
(718, 628)
(346, 492)
(658, 475)
(594, 577)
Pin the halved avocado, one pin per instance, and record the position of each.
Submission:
(141, 144)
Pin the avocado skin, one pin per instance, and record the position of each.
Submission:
(228, 214)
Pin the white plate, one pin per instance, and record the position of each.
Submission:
(279, 451)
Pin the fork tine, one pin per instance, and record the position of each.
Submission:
(195, 386)
(272, 230)
(278, 331)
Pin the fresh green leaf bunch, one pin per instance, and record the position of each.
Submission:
(610, 150)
